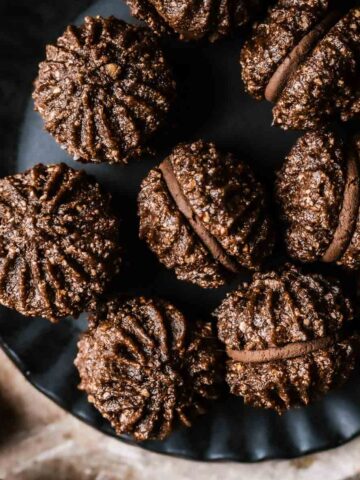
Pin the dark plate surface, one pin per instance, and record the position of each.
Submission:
(212, 106)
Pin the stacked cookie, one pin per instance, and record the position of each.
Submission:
(104, 92)
(305, 58)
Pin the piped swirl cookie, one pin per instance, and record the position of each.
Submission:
(192, 20)
(146, 368)
(59, 243)
(318, 190)
(104, 90)
(304, 57)
(288, 338)
(204, 215)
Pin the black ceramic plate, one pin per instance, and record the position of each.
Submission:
(212, 106)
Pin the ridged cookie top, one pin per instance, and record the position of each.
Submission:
(58, 241)
(310, 187)
(281, 308)
(193, 20)
(227, 198)
(326, 84)
(288, 21)
(145, 368)
(104, 90)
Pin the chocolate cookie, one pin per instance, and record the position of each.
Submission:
(318, 189)
(104, 90)
(287, 338)
(203, 213)
(58, 241)
(192, 20)
(305, 58)
(145, 368)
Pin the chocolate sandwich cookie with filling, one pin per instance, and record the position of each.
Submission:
(104, 90)
(305, 58)
(192, 20)
(204, 215)
(318, 190)
(288, 338)
(146, 368)
(59, 243)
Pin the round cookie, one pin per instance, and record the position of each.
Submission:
(304, 57)
(287, 338)
(192, 20)
(58, 241)
(145, 368)
(104, 90)
(204, 215)
(318, 190)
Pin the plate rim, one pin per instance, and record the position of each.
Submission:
(27, 375)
